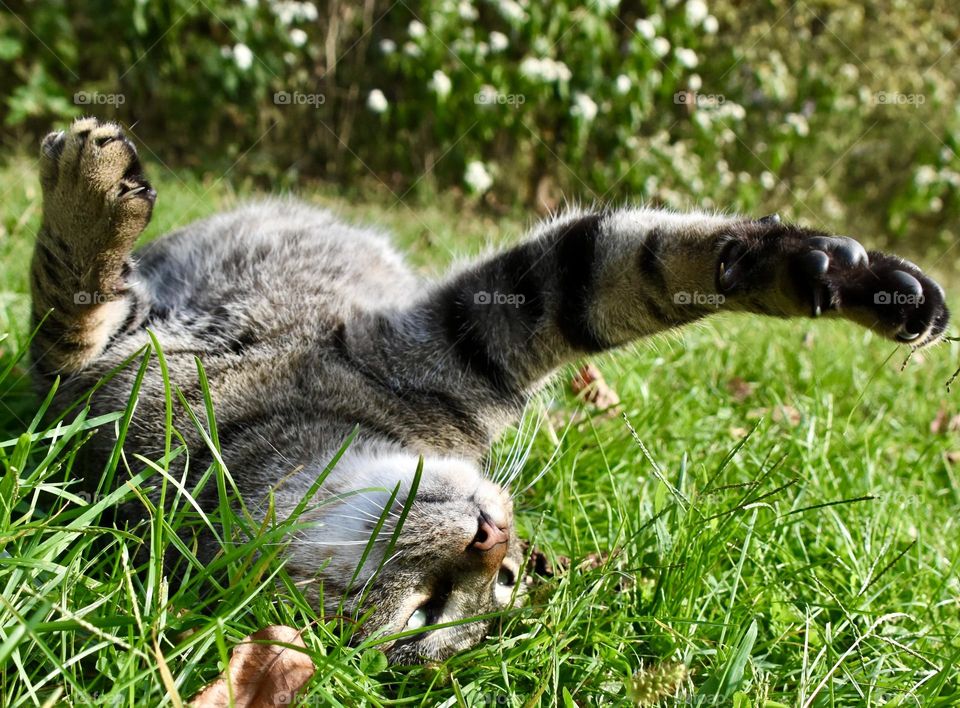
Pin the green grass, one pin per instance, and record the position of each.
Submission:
(808, 558)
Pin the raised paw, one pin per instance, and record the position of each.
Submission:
(793, 271)
(94, 192)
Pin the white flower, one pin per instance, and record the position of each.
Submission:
(498, 41)
(607, 5)
(731, 109)
(242, 56)
(467, 11)
(849, 72)
(545, 69)
(623, 84)
(298, 37)
(512, 11)
(767, 180)
(711, 24)
(440, 84)
(487, 95)
(291, 11)
(687, 57)
(477, 177)
(377, 102)
(584, 107)
(798, 123)
(694, 83)
(411, 49)
(417, 29)
(660, 46)
(936, 204)
(646, 29)
(388, 46)
(251, 4)
(924, 176)
(696, 12)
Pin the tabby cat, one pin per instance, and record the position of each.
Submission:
(309, 328)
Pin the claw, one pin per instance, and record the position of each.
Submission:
(726, 277)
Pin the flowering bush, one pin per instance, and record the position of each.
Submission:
(832, 114)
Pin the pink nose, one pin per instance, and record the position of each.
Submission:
(490, 543)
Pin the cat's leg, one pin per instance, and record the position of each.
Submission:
(96, 202)
(589, 282)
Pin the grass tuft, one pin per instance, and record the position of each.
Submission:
(723, 551)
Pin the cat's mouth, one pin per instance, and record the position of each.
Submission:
(430, 612)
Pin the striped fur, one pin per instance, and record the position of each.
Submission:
(308, 327)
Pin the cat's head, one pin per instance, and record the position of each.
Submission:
(455, 559)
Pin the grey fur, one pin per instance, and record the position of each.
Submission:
(308, 326)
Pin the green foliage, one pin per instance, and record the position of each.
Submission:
(835, 113)
(741, 558)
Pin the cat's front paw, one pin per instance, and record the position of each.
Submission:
(94, 189)
(792, 270)
(894, 297)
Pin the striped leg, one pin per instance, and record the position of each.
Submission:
(95, 204)
(590, 282)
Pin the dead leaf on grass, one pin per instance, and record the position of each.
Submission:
(739, 389)
(262, 672)
(589, 386)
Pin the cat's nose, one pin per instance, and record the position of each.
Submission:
(490, 543)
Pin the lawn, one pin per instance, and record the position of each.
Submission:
(781, 528)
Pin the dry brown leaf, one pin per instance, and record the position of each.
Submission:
(739, 389)
(262, 673)
(953, 457)
(940, 420)
(738, 432)
(786, 414)
(944, 422)
(589, 386)
(549, 196)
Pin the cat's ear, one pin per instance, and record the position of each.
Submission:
(769, 219)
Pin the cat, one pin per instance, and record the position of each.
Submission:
(309, 327)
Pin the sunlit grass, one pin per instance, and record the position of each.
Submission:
(790, 538)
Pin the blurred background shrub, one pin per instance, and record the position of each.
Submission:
(839, 114)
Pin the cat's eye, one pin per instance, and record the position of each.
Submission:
(417, 619)
(505, 576)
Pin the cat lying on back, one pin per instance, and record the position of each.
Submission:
(309, 327)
